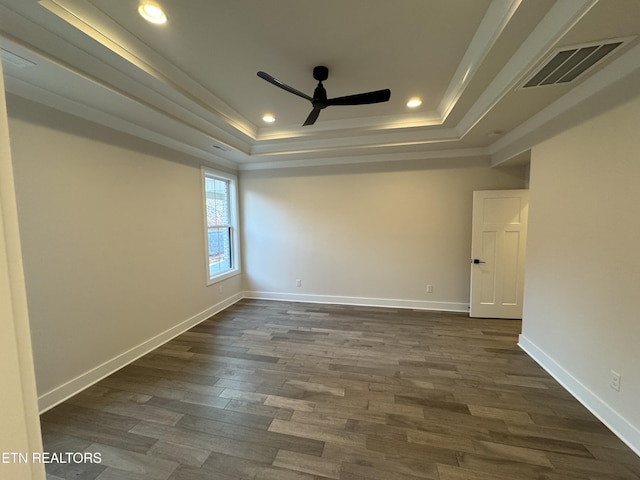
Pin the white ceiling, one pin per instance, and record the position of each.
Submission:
(191, 84)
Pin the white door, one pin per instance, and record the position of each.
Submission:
(498, 242)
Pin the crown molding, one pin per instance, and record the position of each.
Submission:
(169, 108)
(493, 24)
(481, 155)
(146, 59)
(48, 98)
(133, 50)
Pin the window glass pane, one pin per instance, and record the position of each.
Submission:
(219, 223)
(217, 201)
(219, 250)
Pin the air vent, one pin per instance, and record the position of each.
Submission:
(14, 60)
(567, 64)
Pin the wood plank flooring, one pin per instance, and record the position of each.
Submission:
(292, 391)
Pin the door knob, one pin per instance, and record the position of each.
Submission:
(477, 261)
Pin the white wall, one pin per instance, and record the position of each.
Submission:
(365, 234)
(583, 269)
(20, 431)
(113, 242)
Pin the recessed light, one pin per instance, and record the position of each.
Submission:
(414, 102)
(152, 12)
(269, 118)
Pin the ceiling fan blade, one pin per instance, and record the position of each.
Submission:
(284, 86)
(362, 98)
(313, 116)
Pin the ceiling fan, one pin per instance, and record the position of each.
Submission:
(320, 100)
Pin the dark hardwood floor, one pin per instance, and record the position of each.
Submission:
(292, 391)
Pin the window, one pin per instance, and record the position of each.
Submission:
(221, 225)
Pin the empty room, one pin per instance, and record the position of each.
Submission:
(343, 240)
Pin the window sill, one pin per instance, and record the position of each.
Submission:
(222, 277)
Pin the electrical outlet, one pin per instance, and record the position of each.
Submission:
(220, 288)
(429, 288)
(298, 282)
(615, 381)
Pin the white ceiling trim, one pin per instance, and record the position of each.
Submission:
(147, 59)
(347, 127)
(164, 102)
(151, 62)
(370, 139)
(46, 97)
(495, 20)
(493, 24)
(196, 123)
(340, 142)
(555, 24)
(479, 155)
(412, 137)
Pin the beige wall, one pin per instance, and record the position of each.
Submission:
(113, 243)
(20, 428)
(376, 234)
(583, 269)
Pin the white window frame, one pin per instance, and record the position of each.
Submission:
(234, 224)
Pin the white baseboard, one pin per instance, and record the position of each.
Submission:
(624, 430)
(59, 394)
(361, 301)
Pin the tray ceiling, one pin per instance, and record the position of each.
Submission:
(191, 83)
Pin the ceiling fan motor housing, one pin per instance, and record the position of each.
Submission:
(320, 73)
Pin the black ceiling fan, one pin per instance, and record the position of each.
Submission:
(320, 100)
